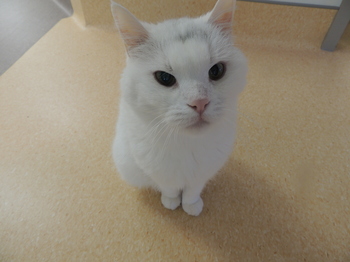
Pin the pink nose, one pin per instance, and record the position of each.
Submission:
(199, 105)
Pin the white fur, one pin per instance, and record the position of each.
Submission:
(155, 145)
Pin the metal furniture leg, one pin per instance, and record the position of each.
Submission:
(337, 27)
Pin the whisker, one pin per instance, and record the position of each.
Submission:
(166, 142)
(160, 133)
(256, 123)
(150, 123)
(176, 135)
(153, 134)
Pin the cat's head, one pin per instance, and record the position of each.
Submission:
(185, 72)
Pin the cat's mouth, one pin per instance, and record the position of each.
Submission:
(198, 124)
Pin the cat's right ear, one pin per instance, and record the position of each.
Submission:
(131, 30)
(222, 14)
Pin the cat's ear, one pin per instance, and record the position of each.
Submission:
(222, 14)
(131, 30)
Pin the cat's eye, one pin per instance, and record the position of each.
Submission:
(165, 78)
(217, 71)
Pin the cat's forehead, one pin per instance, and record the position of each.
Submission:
(186, 45)
(184, 42)
(189, 55)
(180, 29)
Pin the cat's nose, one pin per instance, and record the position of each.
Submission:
(199, 105)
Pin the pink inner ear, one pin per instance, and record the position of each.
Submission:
(130, 28)
(222, 14)
(132, 39)
(225, 21)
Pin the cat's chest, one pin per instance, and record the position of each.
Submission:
(179, 156)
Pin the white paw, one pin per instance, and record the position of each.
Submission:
(193, 209)
(171, 203)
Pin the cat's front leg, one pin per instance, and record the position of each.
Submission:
(192, 202)
(171, 198)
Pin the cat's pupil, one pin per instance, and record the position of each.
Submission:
(165, 78)
(217, 71)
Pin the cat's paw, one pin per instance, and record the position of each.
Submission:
(193, 209)
(171, 203)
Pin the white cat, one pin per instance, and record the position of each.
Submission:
(179, 93)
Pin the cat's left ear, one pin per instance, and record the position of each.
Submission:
(130, 28)
(222, 14)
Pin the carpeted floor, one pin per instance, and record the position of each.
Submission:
(284, 195)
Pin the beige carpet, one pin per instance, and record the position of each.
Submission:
(283, 196)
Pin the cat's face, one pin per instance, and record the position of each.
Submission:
(184, 73)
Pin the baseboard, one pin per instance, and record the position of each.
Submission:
(294, 4)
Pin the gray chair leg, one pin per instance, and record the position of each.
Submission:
(337, 27)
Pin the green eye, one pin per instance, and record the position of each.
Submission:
(165, 78)
(217, 71)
